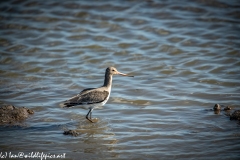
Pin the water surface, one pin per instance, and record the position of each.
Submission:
(185, 56)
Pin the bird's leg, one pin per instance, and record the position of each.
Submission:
(89, 112)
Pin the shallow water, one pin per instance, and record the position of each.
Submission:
(185, 56)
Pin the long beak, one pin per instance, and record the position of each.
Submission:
(122, 74)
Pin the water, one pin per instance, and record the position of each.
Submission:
(185, 56)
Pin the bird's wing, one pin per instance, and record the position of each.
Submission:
(87, 96)
(86, 90)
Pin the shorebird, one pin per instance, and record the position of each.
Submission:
(94, 97)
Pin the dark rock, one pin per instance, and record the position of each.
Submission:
(10, 114)
(235, 115)
(227, 108)
(71, 132)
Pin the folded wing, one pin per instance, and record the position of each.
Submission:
(87, 96)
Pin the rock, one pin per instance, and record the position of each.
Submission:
(71, 132)
(217, 107)
(10, 114)
(227, 108)
(235, 115)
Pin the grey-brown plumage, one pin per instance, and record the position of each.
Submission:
(94, 97)
(86, 97)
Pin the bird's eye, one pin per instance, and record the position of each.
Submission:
(113, 70)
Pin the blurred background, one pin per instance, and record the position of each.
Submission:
(185, 56)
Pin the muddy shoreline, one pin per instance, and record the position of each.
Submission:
(11, 115)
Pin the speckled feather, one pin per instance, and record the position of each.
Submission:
(87, 96)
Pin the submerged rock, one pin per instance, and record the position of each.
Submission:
(217, 108)
(227, 108)
(10, 114)
(235, 115)
(71, 132)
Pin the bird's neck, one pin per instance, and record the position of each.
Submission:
(108, 81)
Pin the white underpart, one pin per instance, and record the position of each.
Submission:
(98, 105)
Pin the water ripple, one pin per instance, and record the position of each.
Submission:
(184, 57)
